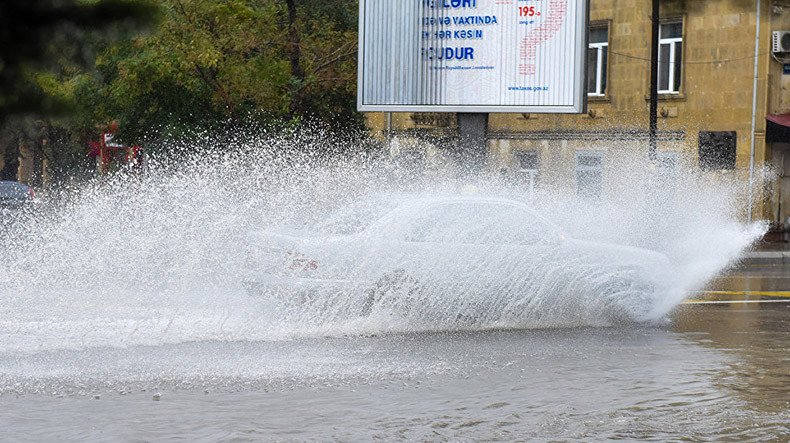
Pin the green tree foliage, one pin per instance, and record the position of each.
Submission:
(37, 34)
(206, 64)
(212, 64)
(44, 46)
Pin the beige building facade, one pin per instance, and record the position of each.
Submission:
(719, 82)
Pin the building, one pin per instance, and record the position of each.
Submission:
(723, 107)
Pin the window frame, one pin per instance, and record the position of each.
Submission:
(675, 85)
(530, 173)
(601, 69)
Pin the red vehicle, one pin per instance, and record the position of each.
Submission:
(112, 156)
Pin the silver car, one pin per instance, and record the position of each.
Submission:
(491, 262)
(15, 195)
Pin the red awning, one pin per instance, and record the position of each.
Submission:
(779, 119)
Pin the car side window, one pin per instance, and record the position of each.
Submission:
(481, 224)
(423, 228)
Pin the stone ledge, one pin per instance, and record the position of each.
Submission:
(611, 135)
(766, 257)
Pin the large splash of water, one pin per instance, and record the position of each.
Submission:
(157, 257)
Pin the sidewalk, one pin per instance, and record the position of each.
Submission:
(766, 258)
(768, 253)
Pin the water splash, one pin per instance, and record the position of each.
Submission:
(158, 258)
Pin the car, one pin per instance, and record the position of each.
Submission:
(15, 195)
(485, 261)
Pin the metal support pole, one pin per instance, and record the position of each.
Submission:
(754, 109)
(389, 133)
(472, 148)
(654, 82)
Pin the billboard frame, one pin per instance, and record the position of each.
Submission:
(580, 101)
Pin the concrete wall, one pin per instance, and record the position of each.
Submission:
(778, 82)
(713, 96)
(778, 94)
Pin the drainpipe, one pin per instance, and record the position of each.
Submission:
(754, 109)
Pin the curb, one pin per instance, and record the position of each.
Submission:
(766, 258)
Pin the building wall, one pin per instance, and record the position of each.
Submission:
(716, 94)
(779, 103)
(778, 82)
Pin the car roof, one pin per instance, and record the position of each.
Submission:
(440, 200)
(413, 204)
(389, 207)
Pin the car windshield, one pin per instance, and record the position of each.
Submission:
(355, 218)
(482, 223)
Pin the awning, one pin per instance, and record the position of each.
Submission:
(778, 128)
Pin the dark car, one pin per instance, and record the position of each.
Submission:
(15, 194)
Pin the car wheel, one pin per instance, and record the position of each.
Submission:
(395, 289)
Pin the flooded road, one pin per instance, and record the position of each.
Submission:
(125, 314)
(766, 281)
(713, 372)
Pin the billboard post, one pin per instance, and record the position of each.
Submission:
(653, 127)
(473, 57)
(473, 139)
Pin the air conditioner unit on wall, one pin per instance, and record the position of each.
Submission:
(781, 41)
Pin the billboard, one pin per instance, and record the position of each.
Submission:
(473, 56)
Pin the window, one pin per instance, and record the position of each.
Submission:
(355, 218)
(527, 163)
(589, 174)
(670, 57)
(597, 58)
(717, 150)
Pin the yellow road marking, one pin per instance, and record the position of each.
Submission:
(730, 302)
(781, 297)
(782, 294)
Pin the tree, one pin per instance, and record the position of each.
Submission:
(217, 64)
(40, 42)
(207, 64)
(35, 34)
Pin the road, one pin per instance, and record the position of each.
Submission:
(759, 279)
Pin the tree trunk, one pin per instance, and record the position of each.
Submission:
(37, 172)
(2, 160)
(10, 162)
(26, 158)
(295, 56)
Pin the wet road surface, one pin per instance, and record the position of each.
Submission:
(767, 282)
(711, 372)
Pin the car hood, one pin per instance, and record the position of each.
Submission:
(649, 261)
